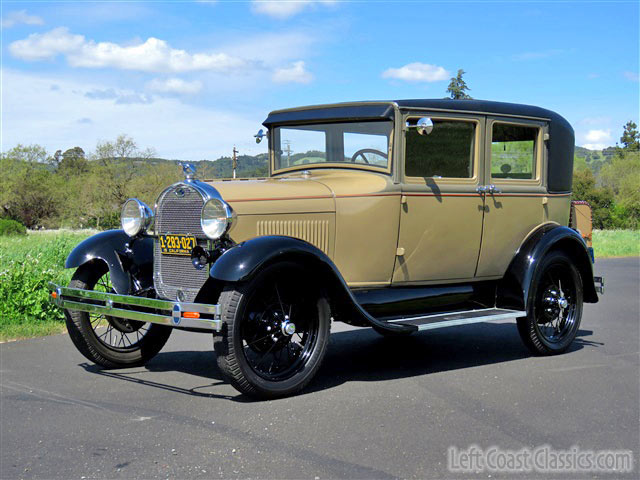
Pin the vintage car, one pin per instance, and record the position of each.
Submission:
(401, 215)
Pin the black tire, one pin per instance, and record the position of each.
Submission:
(99, 347)
(251, 348)
(551, 325)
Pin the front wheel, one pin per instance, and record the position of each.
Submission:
(109, 341)
(276, 331)
(554, 308)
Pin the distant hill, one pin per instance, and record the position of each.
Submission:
(257, 166)
(594, 154)
(248, 166)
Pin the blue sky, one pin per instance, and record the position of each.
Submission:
(191, 79)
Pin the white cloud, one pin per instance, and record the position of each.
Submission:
(537, 55)
(598, 136)
(282, 9)
(125, 97)
(43, 46)
(57, 119)
(153, 55)
(596, 121)
(174, 85)
(18, 17)
(597, 139)
(633, 76)
(417, 72)
(296, 73)
(595, 146)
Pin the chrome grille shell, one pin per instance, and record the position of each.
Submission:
(178, 211)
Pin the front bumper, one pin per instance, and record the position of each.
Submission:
(198, 316)
(599, 284)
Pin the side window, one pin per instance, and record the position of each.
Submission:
(513, 151)
(446, 152)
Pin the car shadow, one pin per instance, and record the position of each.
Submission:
(360, 355)
(367, 356)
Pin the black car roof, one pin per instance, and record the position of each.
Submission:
(561, 136)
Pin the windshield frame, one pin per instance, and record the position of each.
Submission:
(328, 165)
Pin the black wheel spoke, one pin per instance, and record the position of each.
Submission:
(555, 305)
(265, 355)
(279, 300)
(270, 350)
(119, 332)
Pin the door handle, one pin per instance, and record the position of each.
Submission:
(490, 189)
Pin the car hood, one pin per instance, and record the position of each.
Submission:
(275, 195)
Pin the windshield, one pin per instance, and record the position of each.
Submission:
(363, 144)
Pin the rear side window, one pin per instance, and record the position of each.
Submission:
(513, 151)
(447, 152)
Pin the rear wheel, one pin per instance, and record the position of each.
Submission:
(276, 330)
(109, 341)
(555, 306)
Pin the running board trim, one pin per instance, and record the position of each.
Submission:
(452, 319)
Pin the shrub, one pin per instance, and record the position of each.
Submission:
(27, 264)
(11, 227)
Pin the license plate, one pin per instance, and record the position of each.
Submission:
(177, 244)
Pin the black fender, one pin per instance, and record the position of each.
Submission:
(130, 260)
(513, 290)
(243, 261)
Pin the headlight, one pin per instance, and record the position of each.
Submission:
(216, 218)
(136, 217)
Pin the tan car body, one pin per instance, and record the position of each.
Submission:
(267, 264)
(383, 228)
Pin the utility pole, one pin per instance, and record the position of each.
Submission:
(235, 161)
(289, 151)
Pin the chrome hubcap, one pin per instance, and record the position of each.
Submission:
(556, 307)
(288, 328)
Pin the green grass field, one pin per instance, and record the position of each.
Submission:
(616, 243)
(28, 263)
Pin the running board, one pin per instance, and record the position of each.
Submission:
(452, 319)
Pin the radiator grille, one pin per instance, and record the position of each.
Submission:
(179, 214)
(316, 232)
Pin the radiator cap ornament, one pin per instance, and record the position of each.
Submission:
(189, 170)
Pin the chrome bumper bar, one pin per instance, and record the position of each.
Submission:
(152, 310)
(599, 284)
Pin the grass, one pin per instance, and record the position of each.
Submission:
(29, 262)
(616, 243)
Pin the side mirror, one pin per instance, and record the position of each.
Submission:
(424, 126)
(260, 135)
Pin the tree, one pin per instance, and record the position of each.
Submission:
(73, 162)
(55, 159)
(117, 166)
(28, 153)
(458, 87)
(622, 176)
(600, 199)
(630, 137)
(27, 192)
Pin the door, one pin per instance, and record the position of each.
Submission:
(515, 156)
(441, 211)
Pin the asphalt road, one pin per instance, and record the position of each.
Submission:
(378, 408)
